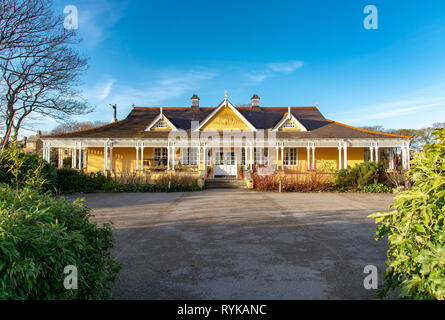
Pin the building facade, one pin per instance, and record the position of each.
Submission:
(223, 139)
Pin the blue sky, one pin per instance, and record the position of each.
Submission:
(300, 53)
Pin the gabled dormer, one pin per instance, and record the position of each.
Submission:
(161, 123)
(289, 123)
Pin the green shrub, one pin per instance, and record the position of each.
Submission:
(18, 169)
(376, 188)
(365, 173)
(40, 236)
(416, 229)
(174, 187)
(71, 181)
(112, 186)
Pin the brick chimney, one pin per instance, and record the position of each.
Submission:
(195, 102)
(39, 133)
(255, 102)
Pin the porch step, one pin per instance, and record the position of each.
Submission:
(225, 183)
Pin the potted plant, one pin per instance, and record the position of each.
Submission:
(209, 171)
(241, 172)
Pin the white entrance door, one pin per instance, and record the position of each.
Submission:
(225, 163)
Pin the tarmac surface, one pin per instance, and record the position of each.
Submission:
(242, 244)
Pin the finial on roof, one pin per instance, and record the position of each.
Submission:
(114, 106)
(225, 94)
(289, 112)
(161, 110)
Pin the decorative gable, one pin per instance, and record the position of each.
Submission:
(226, 117)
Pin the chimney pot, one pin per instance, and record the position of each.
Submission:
(39, 133)
(255, 101)
(195, 101)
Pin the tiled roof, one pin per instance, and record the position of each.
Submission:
(261, 118)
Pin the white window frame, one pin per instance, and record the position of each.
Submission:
(161, 125)
(289, 124)
(263, 157)
(159, 154)
(189, 156)
(290, 162)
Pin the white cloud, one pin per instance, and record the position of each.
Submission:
(105, 89)
(274, 69)
(258, 77)
(285, 67)
(394, 109)
(167, 85)
(96, 17)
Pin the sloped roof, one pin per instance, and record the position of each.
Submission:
(261, 118)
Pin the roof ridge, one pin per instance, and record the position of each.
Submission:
(248, 108)
(369, 131)
(81, 131)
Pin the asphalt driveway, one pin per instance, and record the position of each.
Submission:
(240, 244)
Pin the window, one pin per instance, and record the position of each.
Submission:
(190, 156)
(289, 124)
(160, 156)
(219, 158)
(161, 125)
(261, 155)
(230, 158)
(367, 154)
(290, 156)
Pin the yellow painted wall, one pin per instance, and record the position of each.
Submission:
(124, 159)
(225, 119)
(355, 156)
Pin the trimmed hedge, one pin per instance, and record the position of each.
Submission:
(118, 187)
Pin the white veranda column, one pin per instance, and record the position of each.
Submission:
(308, 158)
(339, 158)
(345, 150)
(391, 159)
(199, 157)
(168, 156)
(111, 157)
(142, 156)
(204, 150)
(105, 157)
(403, 158)
(137, 156)
(313, 157)
(173, 156)
(59, 158)
(408, 157)
(80, 156)
(282, 157)
(371, 153)
(49, 153)
(75, 156)
(278, 156)
(376, 153)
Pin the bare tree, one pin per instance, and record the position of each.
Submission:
(39, 69)
(75, 126)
